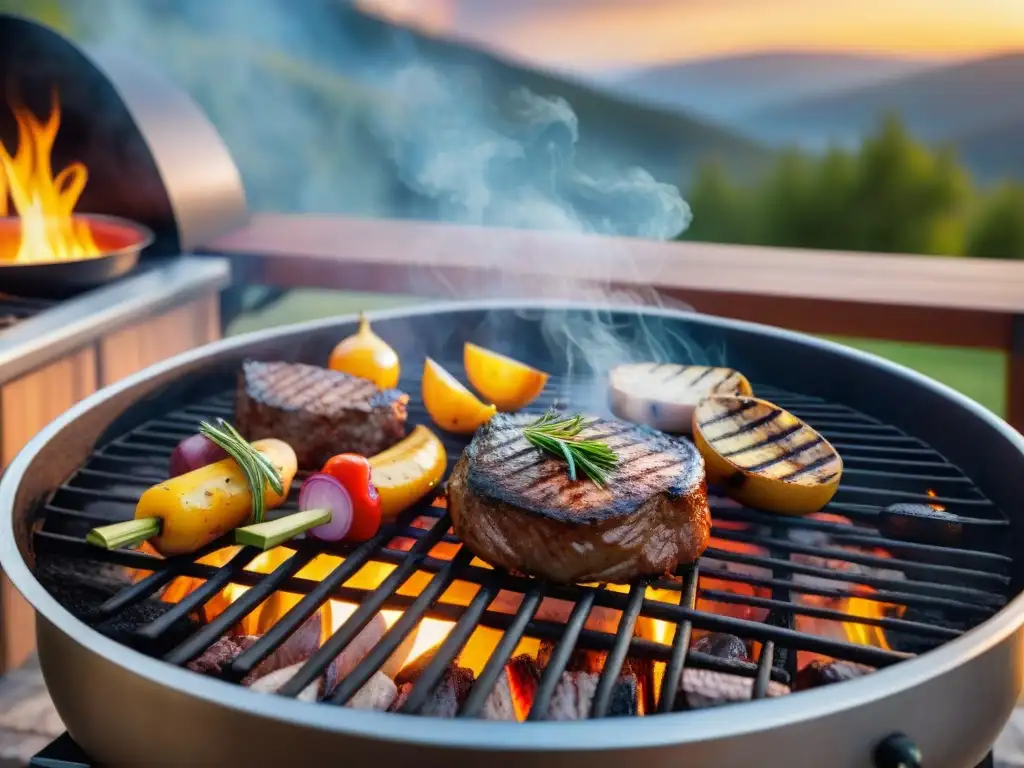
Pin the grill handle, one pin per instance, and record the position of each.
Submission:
(897, 751)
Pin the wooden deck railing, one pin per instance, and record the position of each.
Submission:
(958, 302)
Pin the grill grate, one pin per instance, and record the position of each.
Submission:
(13, 309)
(882, 466)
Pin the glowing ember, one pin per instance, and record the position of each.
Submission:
(42, 201)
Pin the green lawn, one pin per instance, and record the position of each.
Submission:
(979, 374)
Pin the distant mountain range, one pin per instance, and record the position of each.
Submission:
(975, 106)
(730, 87)
(613, 124)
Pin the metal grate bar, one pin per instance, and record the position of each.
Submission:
(680, 645)
(785, 606)
(878, 595)
(502, 652)
(922, 587)
(862, 654)
(764, 671)
(306, 607)
(337, 642)
(785, 546)
(393, 638)
(198, 596)
(140, 590)
(556, 665)
(239, 609)
(883, 465)
(449, 649)
(615, 659)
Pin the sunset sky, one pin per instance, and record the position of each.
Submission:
(621, 34)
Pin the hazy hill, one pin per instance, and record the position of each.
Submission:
(328, 109)
(727, 87)
(941, 104)
(666, 142)
(994, 153)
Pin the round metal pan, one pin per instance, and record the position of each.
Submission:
(122, 242)
(126, 708)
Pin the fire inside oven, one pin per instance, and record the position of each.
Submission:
(69, 151)
(411, 621)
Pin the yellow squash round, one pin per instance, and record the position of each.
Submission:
(507, 383)
(765, 457)
(204, 504)
(408, 471)
(452, 407)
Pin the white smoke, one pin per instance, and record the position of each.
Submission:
(321, 120)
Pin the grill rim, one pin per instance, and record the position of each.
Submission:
(587, 735)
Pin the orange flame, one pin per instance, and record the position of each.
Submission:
(936, 507)
(42, 201)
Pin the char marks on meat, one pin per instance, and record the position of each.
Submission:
(515, 506)
(317, 411)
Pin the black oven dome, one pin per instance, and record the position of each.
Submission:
(152, 156)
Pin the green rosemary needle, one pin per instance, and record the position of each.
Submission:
(257, 467)
(559, 436)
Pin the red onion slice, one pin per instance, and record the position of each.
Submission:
(194, 452)
(322, 491)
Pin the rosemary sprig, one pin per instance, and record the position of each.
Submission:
(559, 436)
(257, 467)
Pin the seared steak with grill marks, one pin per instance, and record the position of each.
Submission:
(318, 412)
(516, 507)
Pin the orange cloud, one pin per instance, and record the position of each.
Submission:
(609, 33)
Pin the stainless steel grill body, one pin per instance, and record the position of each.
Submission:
(125, 707)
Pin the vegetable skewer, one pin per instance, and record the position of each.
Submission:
(184, 513)
(359, 492)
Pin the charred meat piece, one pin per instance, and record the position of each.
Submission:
(318, 412)
(700, 688)
(574, 695)
(819, 673)
(515, 506)
(723, 646)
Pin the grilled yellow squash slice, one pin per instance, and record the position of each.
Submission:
(765, 457)
(663, 395)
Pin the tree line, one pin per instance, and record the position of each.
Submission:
(890, 194)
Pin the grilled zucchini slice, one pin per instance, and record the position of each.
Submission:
(765, 457)
(663, 395)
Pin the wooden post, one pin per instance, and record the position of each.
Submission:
(1015, 375)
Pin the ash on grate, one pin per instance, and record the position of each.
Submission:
(82, 588)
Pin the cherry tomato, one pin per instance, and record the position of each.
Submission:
(353, 471)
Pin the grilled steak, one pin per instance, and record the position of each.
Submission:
(516, 507)
(318, 412)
